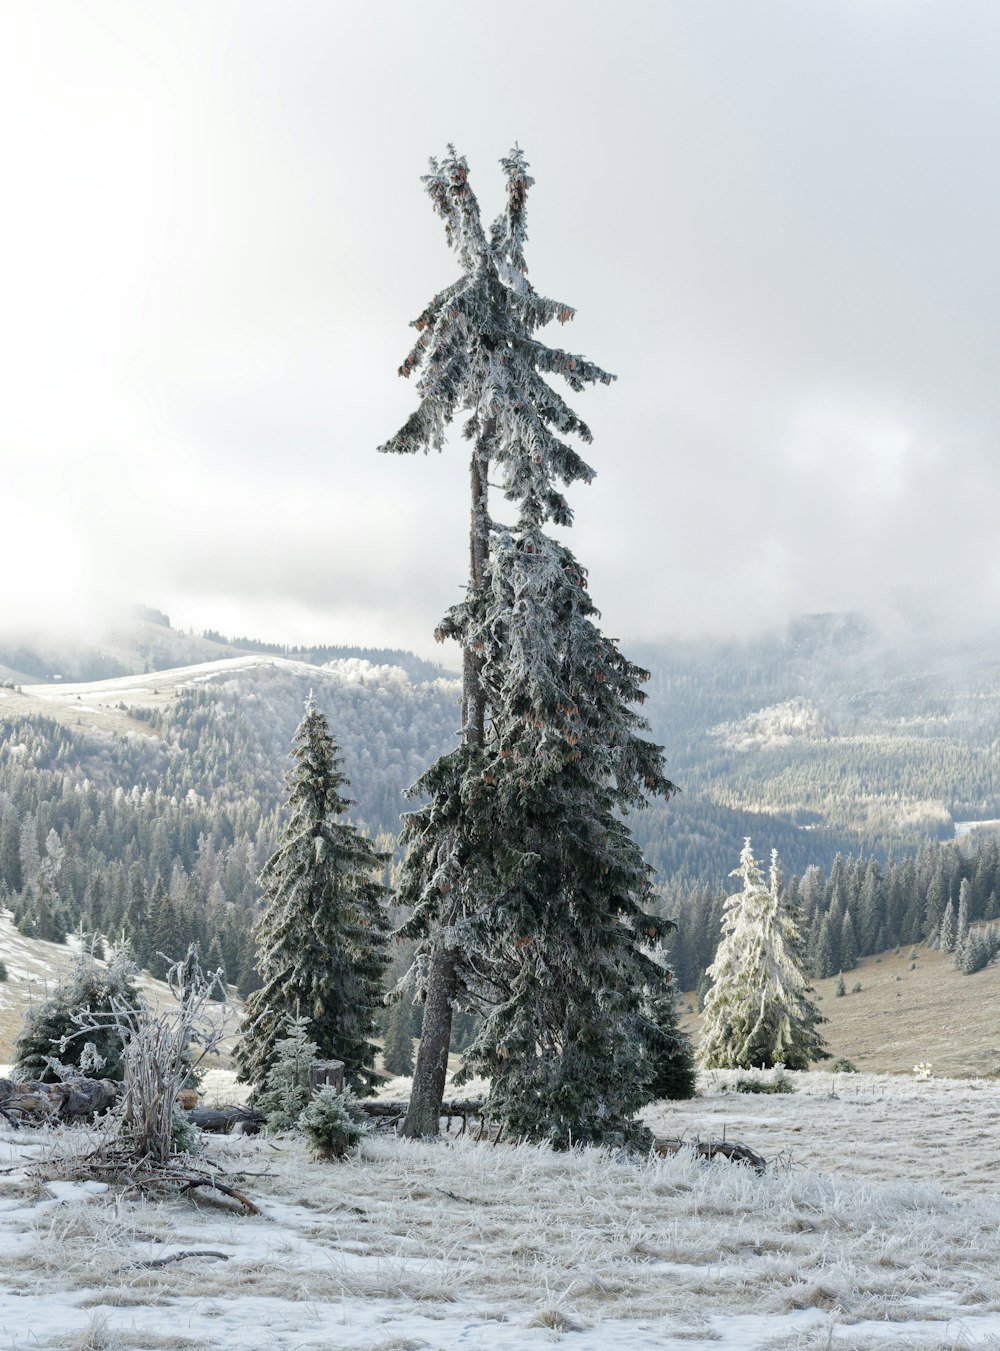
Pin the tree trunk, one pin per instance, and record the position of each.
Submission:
(324, 1072)
(424, 1112)
(431, 1070)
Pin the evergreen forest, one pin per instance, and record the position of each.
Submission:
(851, 755)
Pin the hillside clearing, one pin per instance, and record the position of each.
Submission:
(908, 1010)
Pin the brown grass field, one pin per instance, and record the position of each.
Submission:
(902, 1017)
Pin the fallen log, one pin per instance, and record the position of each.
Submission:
(75, 1099)
(389, 1114)
(712, 1149)
(83, 1099)
(226, 1120)
(26, 1100)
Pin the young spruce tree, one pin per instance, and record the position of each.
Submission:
(528, 891)
(758, 1012)
(321, 937)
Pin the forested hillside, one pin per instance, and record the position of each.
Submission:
(149, 802)
(160, 831)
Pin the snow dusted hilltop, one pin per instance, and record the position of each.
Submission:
(531, 900)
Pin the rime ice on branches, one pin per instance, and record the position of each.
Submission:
(530, 897)
(321, 937)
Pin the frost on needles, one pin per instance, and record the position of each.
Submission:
(758, 1012)
(321, 936)
(530, 898)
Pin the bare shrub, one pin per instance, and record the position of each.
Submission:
(160, 1054)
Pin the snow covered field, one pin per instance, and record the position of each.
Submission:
(878, 1226)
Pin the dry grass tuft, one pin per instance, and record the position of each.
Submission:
(556, 1320)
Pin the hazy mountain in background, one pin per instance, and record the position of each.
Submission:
(143, 640)
(833, 737)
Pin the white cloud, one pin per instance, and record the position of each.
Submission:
(779, 230)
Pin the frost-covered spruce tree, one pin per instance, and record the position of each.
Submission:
(479, 360)
(86, 989)
(321, 936)
(520, 866)
(560, 953)
(758, 1012)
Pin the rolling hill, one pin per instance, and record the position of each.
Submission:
(832, 738)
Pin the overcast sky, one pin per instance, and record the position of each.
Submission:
(779, 223)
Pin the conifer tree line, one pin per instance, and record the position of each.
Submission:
(861, 907)
(161, 839)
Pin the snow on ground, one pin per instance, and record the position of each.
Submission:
(873, 1230)
(875, 1126)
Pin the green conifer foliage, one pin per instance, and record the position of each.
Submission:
(397, 1051)
(671, 1054)
(87, 988)
(168, 942)
(559, 958)
(520, 861)
(321, 937)
(758, 1012)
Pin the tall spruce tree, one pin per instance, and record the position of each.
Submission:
(321, 936)
(480, 358)
(758, 1011)
(528, 891)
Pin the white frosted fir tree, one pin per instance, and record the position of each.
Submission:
(528, 891)
(480, 360)
(321, 937)
(758, 1012)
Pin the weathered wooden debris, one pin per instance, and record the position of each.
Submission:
(123, 1168)
(323, 1072)
(389, 1114)
(30, 1101)
(26, 1101)
(713, 1149)
(83, 1099)
(227, 1120)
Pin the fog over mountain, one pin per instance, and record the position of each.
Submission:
(778, 226)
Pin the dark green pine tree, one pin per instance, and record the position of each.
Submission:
(671, 1055)
(480, 360)
(559, 955)
(485, 884)
(136, 920)
(397, 1050)
(321, 936)
(88, 987)
(168, 943)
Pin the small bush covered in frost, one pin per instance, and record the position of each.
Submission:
(90, 988)
(776, 1082)
(286, 1090)
(333, 1122)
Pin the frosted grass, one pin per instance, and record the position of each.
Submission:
(465, 1245)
